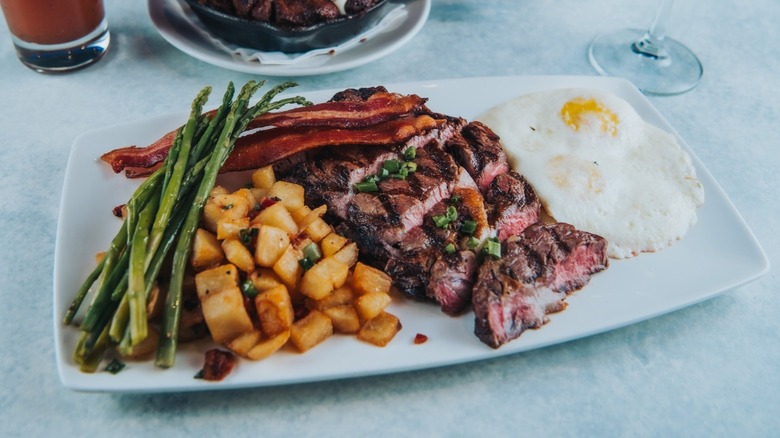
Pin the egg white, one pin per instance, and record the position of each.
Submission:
(596, 164)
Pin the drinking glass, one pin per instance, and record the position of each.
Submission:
(57, 35)
(654, 63)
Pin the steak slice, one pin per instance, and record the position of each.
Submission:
(451, 280)
(478, 149)
(536, 272)
(512, 204)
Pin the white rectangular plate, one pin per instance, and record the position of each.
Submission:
(718, 253)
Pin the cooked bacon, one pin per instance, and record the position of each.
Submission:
(268, 146)
(218, 364)
(377, 109)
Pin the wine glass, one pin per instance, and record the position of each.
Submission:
(654, 63)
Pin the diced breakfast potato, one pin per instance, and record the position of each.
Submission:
(251, 200)
(245, 342)
(230, 228)
(206, 250)
(271, 244)
(344, 318)
(348, 254)
(267, 347)
(339, 296)
(323, 277)
(264, 177)
(288, 267)
(219, 190)
(317, 229)
(259, 193)
(238, 254)
(380, 330)
(290, 194)
(264, 279)
(274, 310)
(313, 215)
(226, 315)
(277, 216)
(310, 330)
(331, 243)
(369, 279)
(300, 214)
(371, 304)
(216, 279)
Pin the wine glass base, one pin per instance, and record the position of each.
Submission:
(674, 71)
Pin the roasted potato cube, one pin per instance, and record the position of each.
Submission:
(251, 199)
(332, 243)
(288, 267)
(267, 347)
(290, 194)
(216, 279)
(259, 194)
(371, 304)
(221, 206)
(348, 254)
(313, 215)
(271, 244)
(238, 254)
(145, 348)
(226, 315)
(277, 216)
(339, 296)
(369, 279)
(264, 177)
(206, 250)
(264, 279)
(323, 277)
(245, 342)
(219, 190)
(230, 228)
(380, 330)
(317, 229)
(311, 330)
(274, 310)
(344, 318)
(300, 214)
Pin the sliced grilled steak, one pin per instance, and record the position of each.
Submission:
(478, 150)
(451, 280)
(537, 270)
(512, 204)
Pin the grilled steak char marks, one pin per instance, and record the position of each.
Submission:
(536, 272)
(396, 231)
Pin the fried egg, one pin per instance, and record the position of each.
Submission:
(596, 164)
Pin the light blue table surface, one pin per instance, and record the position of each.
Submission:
(707, 370)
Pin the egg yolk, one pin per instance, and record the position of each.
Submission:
(579, 112)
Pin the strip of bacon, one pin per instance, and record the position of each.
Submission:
(268, 146)
(377, 109)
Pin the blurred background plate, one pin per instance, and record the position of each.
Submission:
(177, 24)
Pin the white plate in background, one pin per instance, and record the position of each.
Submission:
(177, 27)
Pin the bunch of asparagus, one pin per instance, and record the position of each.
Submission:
(162, 214)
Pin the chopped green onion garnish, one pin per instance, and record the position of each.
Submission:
(312, 252)
(452, 213)
(372, 178)
(246, 235)
(392, 166)
(450, 248)
(409, 167)
(410, 153)
(306, 263)
(248, 288)
(383, 173)
(199, 374)
(441, 220)
(472, 243)
(468, 227)
(398, 175)
(454, 199)
(367, 186)
(493, 248)
(115, 366)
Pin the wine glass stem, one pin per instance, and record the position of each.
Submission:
(651, 43)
